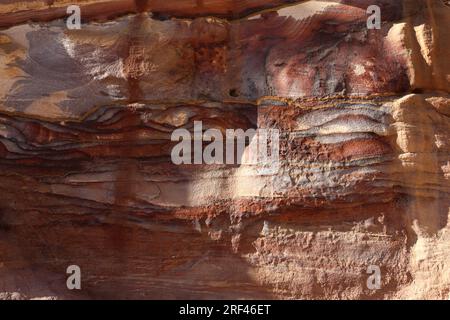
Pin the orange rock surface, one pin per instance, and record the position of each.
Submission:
(86, 176)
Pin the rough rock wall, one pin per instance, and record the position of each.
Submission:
(86, 176)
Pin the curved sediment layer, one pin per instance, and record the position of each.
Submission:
(362, 177)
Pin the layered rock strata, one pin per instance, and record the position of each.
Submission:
(87, 179)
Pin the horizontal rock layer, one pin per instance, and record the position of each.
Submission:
(86, 118)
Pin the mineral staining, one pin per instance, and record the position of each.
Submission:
(362, 177)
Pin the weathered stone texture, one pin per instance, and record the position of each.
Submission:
(86, 178)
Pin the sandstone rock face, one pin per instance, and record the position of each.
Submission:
(87, 179)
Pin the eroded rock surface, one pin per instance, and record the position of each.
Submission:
(86, 118)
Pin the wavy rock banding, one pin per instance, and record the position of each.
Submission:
(86, 118)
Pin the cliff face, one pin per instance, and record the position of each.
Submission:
(87, 179)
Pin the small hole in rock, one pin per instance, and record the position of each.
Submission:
(234, 93)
